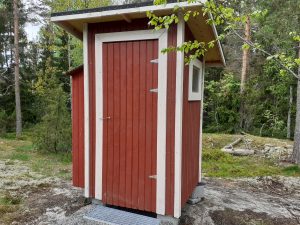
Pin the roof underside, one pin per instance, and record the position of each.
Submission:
(73, 22)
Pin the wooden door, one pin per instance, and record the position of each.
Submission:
(130, 124)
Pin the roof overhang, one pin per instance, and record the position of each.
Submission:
(73, 22)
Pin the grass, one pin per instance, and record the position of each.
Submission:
(48, 164)
(219, 164)
(215, 162)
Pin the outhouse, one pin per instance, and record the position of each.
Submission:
(137, 112)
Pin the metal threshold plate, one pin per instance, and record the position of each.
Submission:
(111, 216)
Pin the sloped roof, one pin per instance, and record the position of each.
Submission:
(73, 21)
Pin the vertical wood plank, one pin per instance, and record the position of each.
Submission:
(136, 107)
(142, 121)
(129, 125)
(116, 121)
(123, 122)
(80, 131)
(110, 138)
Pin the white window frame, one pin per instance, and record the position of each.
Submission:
(195, 96)
(162, 37)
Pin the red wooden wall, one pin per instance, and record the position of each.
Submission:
(129, 140)
(118, 26)
(171, 98)
(77, 127)
(190, 136)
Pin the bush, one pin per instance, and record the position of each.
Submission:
(3, 122)
(53, 133)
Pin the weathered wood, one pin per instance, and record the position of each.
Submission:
(230, 146)
(239, 152)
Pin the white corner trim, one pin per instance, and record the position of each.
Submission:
(178, 119)
(162, 36)
(86, 113)
(219, 43)
(114, 12)
(161, 124)
(99, 122)
(201, 124)
(195, 96)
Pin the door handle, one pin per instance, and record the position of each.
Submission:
(153, 177)
(105, 118)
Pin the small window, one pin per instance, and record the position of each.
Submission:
(195, 80)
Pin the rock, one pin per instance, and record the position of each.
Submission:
(238, 152)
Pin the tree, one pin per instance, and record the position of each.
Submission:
(296, 151)
(17, 70)
(227, 17)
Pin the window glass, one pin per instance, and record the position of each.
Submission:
(195, 82)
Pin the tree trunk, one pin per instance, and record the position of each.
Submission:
(296, 152)
(288, 135)
(245, 68)
(17, 70)
(245, 60)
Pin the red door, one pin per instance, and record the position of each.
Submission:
(129, 136)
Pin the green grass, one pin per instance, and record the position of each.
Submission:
(219, 164)
(47, 164)
(292, 170)
(7, 199)
(20, 156)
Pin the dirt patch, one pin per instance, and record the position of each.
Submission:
(261, 201)
(231, 217)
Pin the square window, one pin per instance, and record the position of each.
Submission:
(195, 80)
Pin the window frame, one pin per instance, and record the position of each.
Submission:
(195, 96)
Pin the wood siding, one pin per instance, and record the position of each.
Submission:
(139, 24)
(130, 135)
(96, 28)
(78, 128)
(171, 98)
(190, 136)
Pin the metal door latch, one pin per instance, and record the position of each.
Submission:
(155, 61)
(105, 118)
(153, 177)
(155, 90)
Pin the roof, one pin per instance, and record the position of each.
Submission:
(73, 21)
(75, 70)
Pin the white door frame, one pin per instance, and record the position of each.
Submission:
(162, 36)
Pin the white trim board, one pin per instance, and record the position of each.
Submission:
(86, 114)
(142, 9)
(178, 119)
(162, 36)
(201, 124)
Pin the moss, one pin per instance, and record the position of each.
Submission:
(219, 164)
(291, 170)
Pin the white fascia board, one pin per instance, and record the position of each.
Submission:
(219, 43)
(143, 9)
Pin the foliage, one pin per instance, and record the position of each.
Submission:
(222, 101)
(53, 133)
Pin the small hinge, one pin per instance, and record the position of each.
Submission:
(155, 90)
(153, 177)
(154, 61)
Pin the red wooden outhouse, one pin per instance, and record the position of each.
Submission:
(137, 112)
